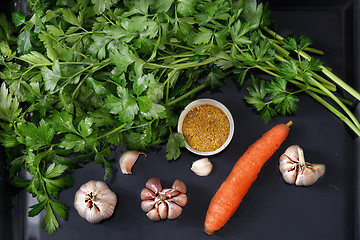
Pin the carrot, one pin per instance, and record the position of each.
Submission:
(228, 197)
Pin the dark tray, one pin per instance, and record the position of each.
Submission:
(271, 209)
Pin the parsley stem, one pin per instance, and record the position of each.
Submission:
(112, 131)
(167, 83)
(179, 46)
(313, 50)
(335, 78)
(180, 60)
(316, 90)
(267, 71)
(177, 56)
(336, 112)
(329, 85)
(196, 64)
(331, 95)
(156, 66)
(194, 90)
(326, 71)
(41, 178)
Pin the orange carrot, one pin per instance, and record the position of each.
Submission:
(227, 199)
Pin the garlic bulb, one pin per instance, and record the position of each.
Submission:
(160, 203)
(127, 160)
(202, 167)
(295, 170)
(94, 201)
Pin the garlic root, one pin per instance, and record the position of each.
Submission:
(296, 171)
(128, 159)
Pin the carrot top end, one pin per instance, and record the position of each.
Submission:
(289, 124)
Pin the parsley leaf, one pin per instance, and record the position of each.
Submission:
(18, 18)
(101, 6)
(36, 136)
(204, 36)
(285, 102)
(125, 106)
(213, 79)
(51, 77)
(186, 7)
(162, 5)
(289, 69)
(175, 142)
(9, 105)
(121, 59)
(50, 222)
(258, 101)
(24, 42)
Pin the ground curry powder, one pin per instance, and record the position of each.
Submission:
(206, 128)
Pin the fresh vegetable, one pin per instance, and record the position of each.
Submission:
(202, 167)
(95, 201)
(127, 160)
(231, 192)
(160, 203)
(79, 76)
(295, 170)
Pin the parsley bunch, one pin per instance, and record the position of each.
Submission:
(78, 77)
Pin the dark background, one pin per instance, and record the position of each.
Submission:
(272, 209)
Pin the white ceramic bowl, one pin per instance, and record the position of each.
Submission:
(206, 101)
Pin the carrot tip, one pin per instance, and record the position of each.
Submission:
(289, 124)
(207, 231)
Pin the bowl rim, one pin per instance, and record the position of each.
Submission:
(213, 102)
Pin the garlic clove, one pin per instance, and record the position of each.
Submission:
(127, 160)
(310, 174)
(153, 215)
(169, 193)
(288, 168)
(147, 194)
(290, 176)
(285, 163)
(174, 210)
(292, 153)
(319, 169)
(154, 184)
(94, 201)
(305, 177)
(202, 167)
(180, 199)
(163, 210)
(179, 186)
(147, 205)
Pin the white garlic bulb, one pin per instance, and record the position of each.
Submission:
(295, 170)
(94, 201)
(202, 167)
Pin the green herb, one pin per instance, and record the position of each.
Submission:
(80, 76)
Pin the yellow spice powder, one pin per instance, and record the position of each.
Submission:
(206, 128)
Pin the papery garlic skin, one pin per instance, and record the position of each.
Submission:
(202, 167)
(94, 201)
(309, 175)
(296, 171)
(161, 203)
(128, 159)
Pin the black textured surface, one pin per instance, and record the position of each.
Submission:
(272, 209)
